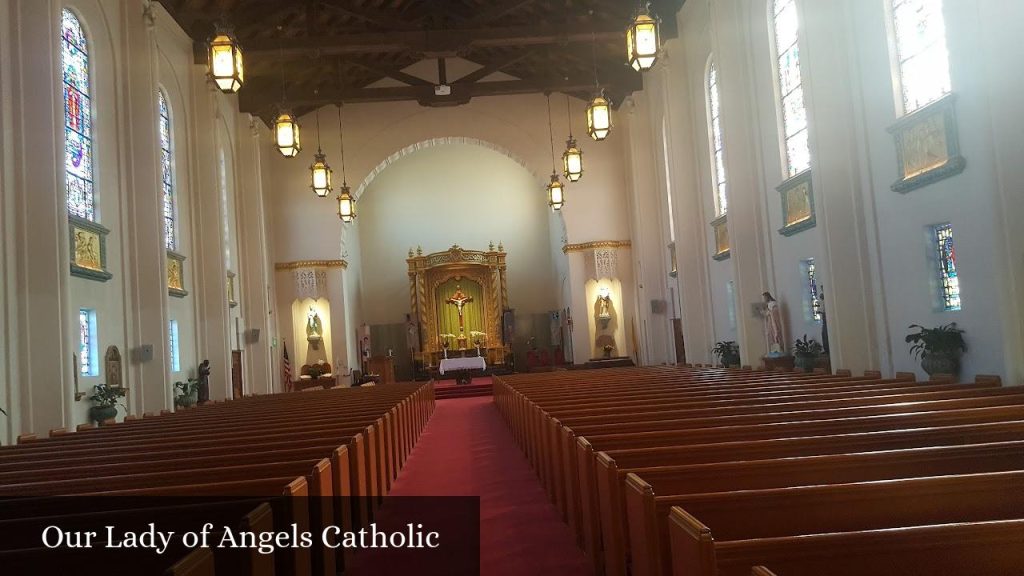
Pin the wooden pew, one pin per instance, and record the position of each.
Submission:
(612, 467)
(649, 491)
(993, 548)
(794, 511)
(138, 460)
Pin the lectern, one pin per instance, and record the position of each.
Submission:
(383, 367)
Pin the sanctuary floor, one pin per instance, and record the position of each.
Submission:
(466, 450)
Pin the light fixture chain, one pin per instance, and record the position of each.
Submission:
(551, 135)
(341, 137)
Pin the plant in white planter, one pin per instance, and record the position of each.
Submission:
(728, 353)
(806, 352)
(939, 348)
(105, 400)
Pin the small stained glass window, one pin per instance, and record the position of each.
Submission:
(167, 173)
(730, 295)
(88, 355)
(175, 350)
(786, 24)
(812, 296)
(921, 54)
(717, 148)
(78, 143)
(949, 281)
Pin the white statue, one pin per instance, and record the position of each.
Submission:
(773, 327)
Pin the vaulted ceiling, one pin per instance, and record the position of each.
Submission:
(318, 52)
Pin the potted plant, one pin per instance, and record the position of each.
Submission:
(939, 348)
(186, 393)
(728, 353)
(608, 350)
(806, 352)
(105, 400)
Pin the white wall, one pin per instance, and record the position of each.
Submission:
(870, 245)
(135, 47)
(453, 194)
(379, 135)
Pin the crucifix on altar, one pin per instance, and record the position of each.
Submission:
(459, 300)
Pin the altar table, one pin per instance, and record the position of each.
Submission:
(461, 367)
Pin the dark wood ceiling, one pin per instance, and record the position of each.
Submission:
(329, 51)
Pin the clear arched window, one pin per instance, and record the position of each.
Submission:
(921, 57)
(78, 144)
(167, 172)
(717, 149)
(786, 27)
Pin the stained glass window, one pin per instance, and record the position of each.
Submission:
(88, 362)
(730, 294)
(718, 152)
(167, 172)
(812, 298)
(175, 355)
(921, 52)
(78, 145)
(949, 282)
(786, 25)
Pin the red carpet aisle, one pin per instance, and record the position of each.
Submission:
(466, 450)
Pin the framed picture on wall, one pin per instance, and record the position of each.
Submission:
(797, 196)
(88, 249)
(927, 145)
(719, 225)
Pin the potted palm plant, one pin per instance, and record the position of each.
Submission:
(728, 353)
(939, 348)
(806, 352)
(105, 400)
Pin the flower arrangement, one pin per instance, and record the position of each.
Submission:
(446, 339)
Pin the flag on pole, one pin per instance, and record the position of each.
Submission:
(286, 369)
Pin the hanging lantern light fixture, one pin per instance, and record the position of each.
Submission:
(346, 203)
(286, 134)
(599, 110)
(643, 39)
(556, 190)
(225, 61)
(599, 117)
(286, 128)
(320, 171)
(572, 158)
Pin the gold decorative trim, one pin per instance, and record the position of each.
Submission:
(599, 244)
(311, 264)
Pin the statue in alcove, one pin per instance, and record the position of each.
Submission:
(314, 328)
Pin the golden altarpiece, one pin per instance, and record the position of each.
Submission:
(458, 298)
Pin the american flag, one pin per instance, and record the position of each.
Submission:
(286, 369)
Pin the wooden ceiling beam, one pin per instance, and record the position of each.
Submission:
(429, 41)
(491, 14)
(372, 15)
(496, 66)
(392, 72)
(260, 102)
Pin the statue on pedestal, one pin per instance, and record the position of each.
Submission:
(203, 394)
(314, 328)
(773, 327)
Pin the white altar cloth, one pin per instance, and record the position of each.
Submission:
(452, 364)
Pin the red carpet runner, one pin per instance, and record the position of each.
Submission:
(466, 450)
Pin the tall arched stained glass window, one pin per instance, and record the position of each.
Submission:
(717, 149)
(786, 25)
(921, 56)
(167, 172)
(78, 146)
